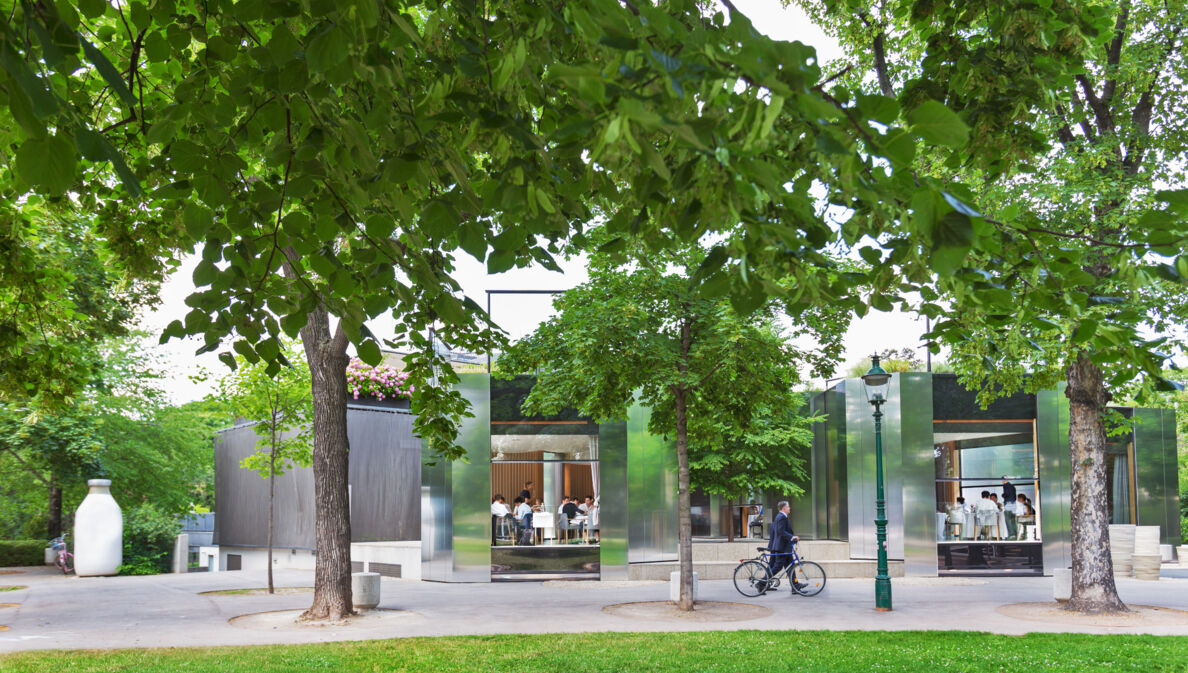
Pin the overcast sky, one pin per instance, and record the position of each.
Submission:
(520, 314)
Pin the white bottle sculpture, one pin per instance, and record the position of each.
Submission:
(98, 532)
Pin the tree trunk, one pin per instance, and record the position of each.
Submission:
(271, 495)
(332, 519)
(684, 520)
(730, 519)
(1093, 589)
(55, 508)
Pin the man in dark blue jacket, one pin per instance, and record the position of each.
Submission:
(782, 539)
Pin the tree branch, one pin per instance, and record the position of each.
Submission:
(27, 466)
(1114, 54)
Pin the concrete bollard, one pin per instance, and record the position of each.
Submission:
(1061, 584)
(674, 586)
(365, 590)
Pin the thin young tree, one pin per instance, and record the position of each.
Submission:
(280, 407)
(645, 334)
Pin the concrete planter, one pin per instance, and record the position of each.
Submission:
(1146, 566)
(1122, 548)
(674, 586)
(1182, 554)
(1062, 584)
(51, 556)
(365, 590)
(1146, 540)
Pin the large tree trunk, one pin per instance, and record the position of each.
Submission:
(332, 520)
(1093, 589)
(55, 508)
(684, 520)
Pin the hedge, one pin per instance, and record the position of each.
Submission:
(15, 553)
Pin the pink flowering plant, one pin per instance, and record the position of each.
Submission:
(381, 382)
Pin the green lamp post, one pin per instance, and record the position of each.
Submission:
(877, 383)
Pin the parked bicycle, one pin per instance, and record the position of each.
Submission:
(753, 577)
(63, 559)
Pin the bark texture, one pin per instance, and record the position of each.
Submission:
(1093, 588)
(332, 521)
(684, 520)
(55, 510)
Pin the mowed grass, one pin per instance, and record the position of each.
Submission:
(744, 651)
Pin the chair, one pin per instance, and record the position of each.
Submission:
(757, 525)
(987, 524)
(505, 527)
(565, 525)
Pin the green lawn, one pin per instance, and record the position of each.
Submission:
(749, 651)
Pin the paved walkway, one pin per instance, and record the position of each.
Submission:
(171, 611)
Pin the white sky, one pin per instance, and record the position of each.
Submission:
(520, 314)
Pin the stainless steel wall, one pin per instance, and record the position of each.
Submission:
(1171, 477)
(917, 474)
(384, 476)
(455, 502)
(613, 500)
(1157, 477)
(651, 492)
(241, 498)
(860, 469)
(1055, 490)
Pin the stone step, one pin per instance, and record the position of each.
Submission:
(816, 550)
(723, 570)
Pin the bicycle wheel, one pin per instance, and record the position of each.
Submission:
(808, 578)
(752, 578)
(65, 563)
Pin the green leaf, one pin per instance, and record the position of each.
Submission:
(43, 102)
(108, 72)
(93, 9)
(47, 164)
(951, 241)
(937, 124)
(369, 352)
(95, 147)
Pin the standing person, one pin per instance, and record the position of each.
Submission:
(1009, 496)
(526, 494)
(498, 511)
(986, 517)
(781, 541)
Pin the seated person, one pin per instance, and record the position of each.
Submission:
(499, 510)
(569, 510)
(523, 515)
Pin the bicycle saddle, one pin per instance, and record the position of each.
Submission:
(761, 548)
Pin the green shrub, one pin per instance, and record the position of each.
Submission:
(22, 553)
(149, 534)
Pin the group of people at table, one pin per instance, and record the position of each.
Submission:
(991, 518)
(528, 521)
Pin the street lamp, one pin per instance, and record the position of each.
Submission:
(877, 383)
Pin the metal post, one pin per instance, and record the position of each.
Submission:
(882, 578)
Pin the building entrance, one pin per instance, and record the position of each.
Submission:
(545, 496)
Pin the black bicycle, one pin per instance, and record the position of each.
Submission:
(753, 577)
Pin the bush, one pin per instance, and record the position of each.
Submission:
(149, 534)
(22, 553)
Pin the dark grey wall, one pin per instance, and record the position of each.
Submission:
(385, 480)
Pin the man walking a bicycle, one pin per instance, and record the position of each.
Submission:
(782, 540)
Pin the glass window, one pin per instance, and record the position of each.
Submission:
(987, 496)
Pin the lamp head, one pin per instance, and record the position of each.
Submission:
(877, 382)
